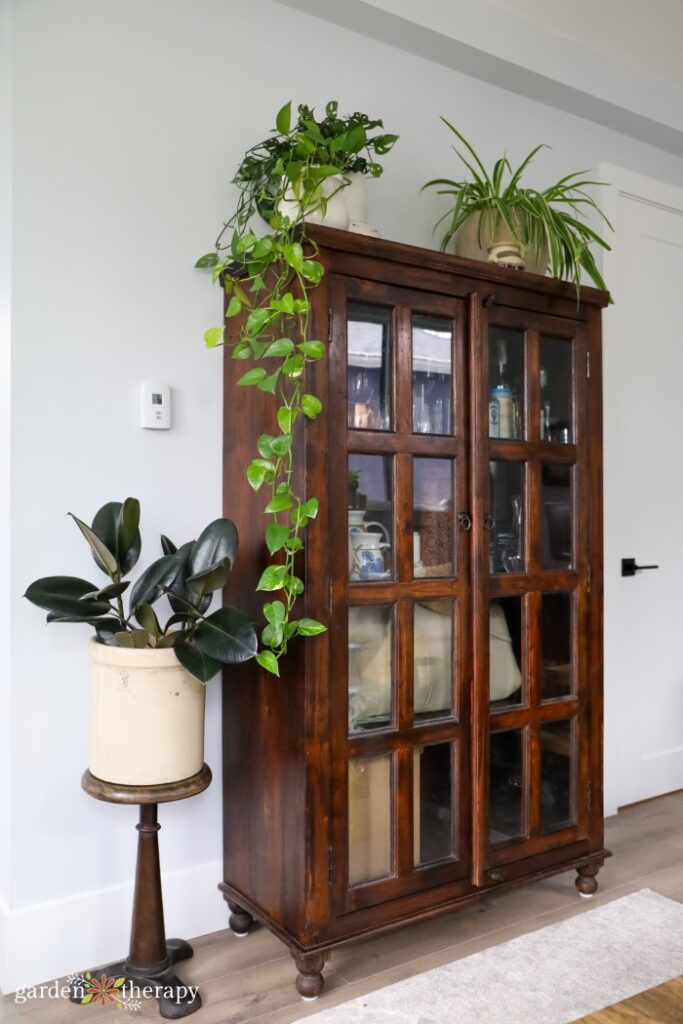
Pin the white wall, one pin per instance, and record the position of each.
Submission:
(128, 121)
(5, 385)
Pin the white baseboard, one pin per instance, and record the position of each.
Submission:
(48, 940)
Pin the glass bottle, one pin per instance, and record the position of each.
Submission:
(502, 394)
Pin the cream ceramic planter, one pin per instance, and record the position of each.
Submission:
(495, 245)
(336, 214)
(146, 717)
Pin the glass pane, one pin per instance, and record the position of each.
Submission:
(369, 818)
(371, 518)
(433, 659)
(556, 390)
(506, 382)
(556, 646)
(506, 800)
(507, 510)
(369, 367)
(433, 795)
(432, 344)
(505, 652)
(556, 520)
(432, 517)
(370, 667)
(556, 775)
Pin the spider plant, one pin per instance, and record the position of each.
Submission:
(551, 219)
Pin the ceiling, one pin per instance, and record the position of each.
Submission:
(646, 34)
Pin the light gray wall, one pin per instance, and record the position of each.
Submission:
(128, 120)
(5, 385)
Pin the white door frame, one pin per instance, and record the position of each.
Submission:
(638, 188)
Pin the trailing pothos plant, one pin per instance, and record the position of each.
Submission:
(188, 575)
(268, 277)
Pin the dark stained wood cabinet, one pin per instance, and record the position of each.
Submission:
(444, 737)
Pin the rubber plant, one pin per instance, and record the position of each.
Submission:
(552, 218)
(268, 277)
(188, 575)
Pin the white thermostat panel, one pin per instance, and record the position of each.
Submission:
(155, 406)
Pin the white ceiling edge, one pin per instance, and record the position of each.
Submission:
(486, 42)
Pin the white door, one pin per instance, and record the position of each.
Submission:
(643, 387)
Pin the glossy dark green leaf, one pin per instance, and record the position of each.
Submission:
(215, 543)
(195, 662)
(149, 587)
(106, 526)
(106, 630)
(62, 594)
(107, 593)
(176, 636)
(128, 534)
(86, 617)
(228, 636)
(105, 558)
(145, 615)
(167, 545)
(211, 579)
(138, 638)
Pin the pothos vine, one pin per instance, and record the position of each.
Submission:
(268, 279)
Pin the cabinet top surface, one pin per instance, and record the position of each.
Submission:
(336, 240)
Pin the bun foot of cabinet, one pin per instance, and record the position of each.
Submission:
(586, 880)
(309, 980)
(240, 920)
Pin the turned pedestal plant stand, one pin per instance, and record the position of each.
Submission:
(152, 956)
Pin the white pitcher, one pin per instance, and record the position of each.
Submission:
(366, 561)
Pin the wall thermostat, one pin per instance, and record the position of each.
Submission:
(155, 406)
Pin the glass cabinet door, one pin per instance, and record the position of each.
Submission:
(532, 551)
(401, 553)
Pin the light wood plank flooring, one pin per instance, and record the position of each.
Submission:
(660, 1005)
(251, 980)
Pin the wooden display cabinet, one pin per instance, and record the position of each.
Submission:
(444, 737)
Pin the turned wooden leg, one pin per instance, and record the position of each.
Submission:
(240, 920)
(586, 881)
(309, 980)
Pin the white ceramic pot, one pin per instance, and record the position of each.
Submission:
(356, 196)
(497, 245)
(336, 214)
(146, 716)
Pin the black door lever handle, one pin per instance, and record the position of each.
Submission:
(629, 567)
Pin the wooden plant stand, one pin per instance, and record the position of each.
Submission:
(151, 957)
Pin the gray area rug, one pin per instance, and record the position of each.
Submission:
(551, 976)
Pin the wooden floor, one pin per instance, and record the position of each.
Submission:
(251, 979)
(661, 1005)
